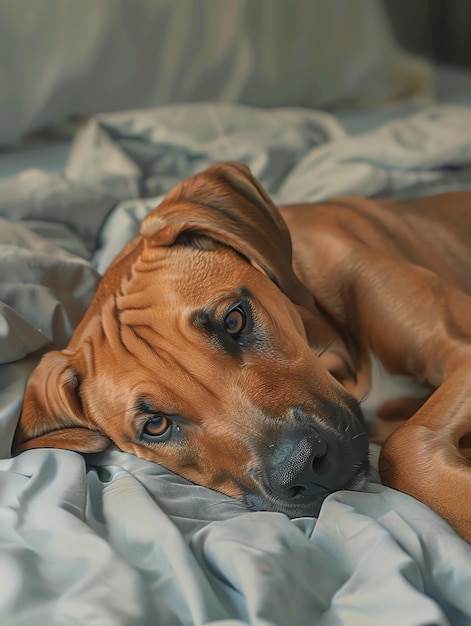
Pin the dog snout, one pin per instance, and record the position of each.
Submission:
(295, 467)
(307, 462)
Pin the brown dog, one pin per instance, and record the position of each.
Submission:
(203, 351)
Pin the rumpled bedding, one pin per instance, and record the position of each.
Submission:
(111, 539)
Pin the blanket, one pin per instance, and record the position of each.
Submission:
(113, 539)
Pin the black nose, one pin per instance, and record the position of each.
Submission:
(291, 469)
(306, 464)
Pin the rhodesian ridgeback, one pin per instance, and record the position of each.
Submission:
(240, 346)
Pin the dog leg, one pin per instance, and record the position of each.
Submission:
(421, 326)
(424, 458)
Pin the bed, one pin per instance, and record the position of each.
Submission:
(111, 539)
(114, 540)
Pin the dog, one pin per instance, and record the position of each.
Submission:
(238, 345)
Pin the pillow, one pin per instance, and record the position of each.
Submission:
(66, 58)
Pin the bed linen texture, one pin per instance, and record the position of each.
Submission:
(113, 540)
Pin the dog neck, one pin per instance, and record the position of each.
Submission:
(344, 361)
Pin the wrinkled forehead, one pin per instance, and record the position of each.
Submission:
(188, 277)
(150, 316)
(150, 346)
(153, 344)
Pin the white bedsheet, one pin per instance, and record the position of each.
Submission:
(112, 539)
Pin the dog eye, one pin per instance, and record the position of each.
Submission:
(235, 321)
(157, 428)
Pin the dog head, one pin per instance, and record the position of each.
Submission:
(194, 355)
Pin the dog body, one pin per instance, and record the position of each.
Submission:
(234, 343)
(378, 251)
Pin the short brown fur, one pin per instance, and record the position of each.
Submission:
(330, 285)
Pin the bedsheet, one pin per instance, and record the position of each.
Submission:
(112, 539)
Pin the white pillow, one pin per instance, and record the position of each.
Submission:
(61, 58)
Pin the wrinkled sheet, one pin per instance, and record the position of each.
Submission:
(112, 539)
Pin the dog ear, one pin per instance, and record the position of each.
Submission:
(227, 204)
(52, 415)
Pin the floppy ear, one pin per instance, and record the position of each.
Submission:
(52, 415)
(226, 203)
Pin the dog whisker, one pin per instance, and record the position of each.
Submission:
(130, 409)
(325, 348)
(352, 404)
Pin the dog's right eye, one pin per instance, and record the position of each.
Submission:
(157, 428)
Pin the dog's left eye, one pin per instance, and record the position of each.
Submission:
(235, 321)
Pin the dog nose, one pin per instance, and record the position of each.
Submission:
(304, 464)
